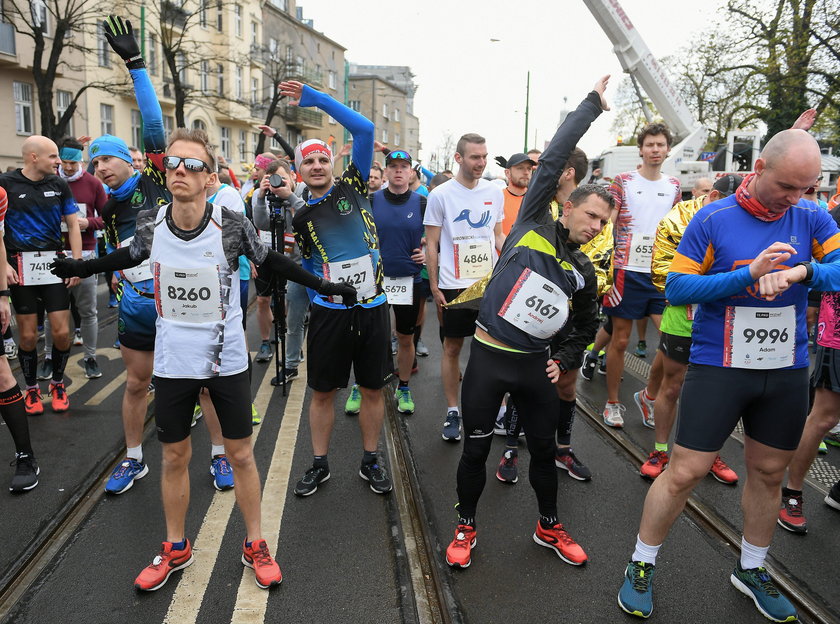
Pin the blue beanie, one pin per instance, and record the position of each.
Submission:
(109, 145)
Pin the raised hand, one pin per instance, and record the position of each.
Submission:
(267, 130)
(599, 88)
(291, 89)
(120, 36)
(805, 120)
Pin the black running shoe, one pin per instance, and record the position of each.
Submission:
(569, 462)
(590, 363)
(311, 480)
(377, 477)
(26, 473)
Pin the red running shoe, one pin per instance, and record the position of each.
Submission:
(266, 571)
(32, 402)
(167, 561)
(559, 541)
(655, 464)
(458, 552)
(791, 516)
(723, 473)
(60, 401)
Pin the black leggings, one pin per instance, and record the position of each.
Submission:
(490, 373)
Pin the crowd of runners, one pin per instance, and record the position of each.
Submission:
(547, 274)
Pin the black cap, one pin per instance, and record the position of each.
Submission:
(728, 184)
(397, 155)
(518, 159)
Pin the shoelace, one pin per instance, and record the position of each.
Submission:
(794, 506)
(762, 579)
(261, 555)
(32, 395)
(461, 539)
(657, 457)
(312, 474)
(719, 465)
(59, 390)
(124, 467)
(640, 580)
(223, 466)
(562, 535)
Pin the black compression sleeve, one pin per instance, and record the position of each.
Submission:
(290, 151)
(291, 270)
(114, 261)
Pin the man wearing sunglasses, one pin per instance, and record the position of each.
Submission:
(193, 249)
(338, 239)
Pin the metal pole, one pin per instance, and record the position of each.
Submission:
(142, 147)
(527, 101)
(347, 103)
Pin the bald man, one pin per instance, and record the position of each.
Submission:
(39, 200)
(701, 188)
(749, 356)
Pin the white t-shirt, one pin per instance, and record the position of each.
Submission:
(228, 197)
(466, 218)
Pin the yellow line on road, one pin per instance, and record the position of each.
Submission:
(188, 596)
(251, 601)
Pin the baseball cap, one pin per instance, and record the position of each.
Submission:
(728, 184)
(518, 159)
(397, 155)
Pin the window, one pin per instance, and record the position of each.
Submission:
(204, 76)
(243, 146)
(330, 119)
(237, 83)
(237, 19)
(225, 143)
(103, 50)
(219, 16)
(255, 39)
(356, 105)
(385, 111)
(181, 66)
(198, 124)
(136, 128)
(168, 124)
(106, 119)
(255, 140)
(272, 48)
(23, 107)
(384, 135)
(396, 114)
(255, 91)
(331, 80)
(152, 56)
(283, 5)
(62, 103)
(397, 139)
(202, 13)
(40, 16)
(290, 56)
(220, 70)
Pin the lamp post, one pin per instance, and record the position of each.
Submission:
(527, 102)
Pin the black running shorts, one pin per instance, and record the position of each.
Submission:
(354, 337)
(56, 297)
(772, 404)
(176, 398)
(826, 369)
(678, 348)
(405, 316)
(458, 323)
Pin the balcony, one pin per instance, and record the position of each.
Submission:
(302, 117)
(8, 49)
(301, 73)
(256, 55)
(172, 14)
(259, 110)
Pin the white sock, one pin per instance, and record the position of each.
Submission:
(453, 409)
(217, 449)
(645, 553)
(752, 556)
(135, 453)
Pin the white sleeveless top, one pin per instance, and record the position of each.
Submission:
(199, 324)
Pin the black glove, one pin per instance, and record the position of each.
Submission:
(120, 36)
(70, 267)
(346, 291)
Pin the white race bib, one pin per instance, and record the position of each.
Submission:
(473, 259)
(358, 272)
(399, 290)
(641, 250)
(189, 295)
(536, 306)
(759, 338)
(139, 273)
(34, 268)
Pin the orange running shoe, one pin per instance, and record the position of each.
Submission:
(165, 563)
(60, 400)
(559, 541)
(32, 402)
(266, 571)
(655, 464)
(458, 552)
(723, 473)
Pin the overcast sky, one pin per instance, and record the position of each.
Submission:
(467, 83)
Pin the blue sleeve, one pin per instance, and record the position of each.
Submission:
(827, 273)
(684, 288)
(147, 101)
(358, 125)
(429, 175)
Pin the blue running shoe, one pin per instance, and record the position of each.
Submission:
(756, 583)
(452, 427)
(124, 475)
(636, 594)
(222, 473)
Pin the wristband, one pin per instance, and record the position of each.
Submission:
(5, 293)
(809, 272)
(135, 62)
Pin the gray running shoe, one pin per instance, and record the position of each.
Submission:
(452, 427)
